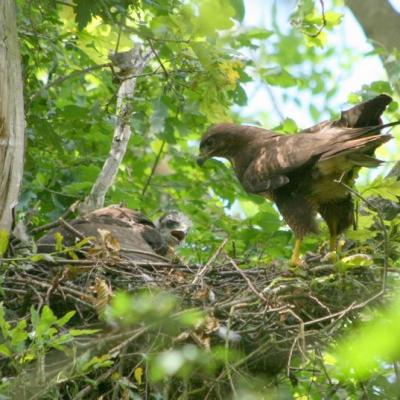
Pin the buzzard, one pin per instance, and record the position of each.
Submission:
(301, 172)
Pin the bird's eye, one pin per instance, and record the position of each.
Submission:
(210, 142)
(171, 224)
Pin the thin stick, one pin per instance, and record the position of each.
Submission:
(383, 227)
(323, 22)
(62, 79)
(53, 224)
(153, 169)
(65, 224)
(249, 282)
(206, 267)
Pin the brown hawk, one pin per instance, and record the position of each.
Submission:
(300, 172)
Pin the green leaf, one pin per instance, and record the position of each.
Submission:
(82, 332)
(5, 351)
(366, 349)
(46, 320)
(257, 33)
(214, 15)
(84, 10)
(19, 334)
(4, 238)
(66, 318)
(58, 238)
(354, 261)
(278, 77)
(4, 325)
(388, 188)
(238, 5)
(288, 125)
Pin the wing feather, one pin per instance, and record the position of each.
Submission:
(281, 155)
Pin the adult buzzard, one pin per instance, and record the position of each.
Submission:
(300, 172)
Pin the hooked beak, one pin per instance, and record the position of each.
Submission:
(201, 160)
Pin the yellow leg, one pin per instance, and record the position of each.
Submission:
(333, 243)
(333, 247)
(295, 260)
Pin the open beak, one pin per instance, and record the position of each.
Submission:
(179, 235)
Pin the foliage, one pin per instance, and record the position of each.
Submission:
(204, 61)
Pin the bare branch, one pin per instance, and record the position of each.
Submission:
(62, 79)
(133, 61)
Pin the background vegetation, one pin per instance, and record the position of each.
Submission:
(203, 58)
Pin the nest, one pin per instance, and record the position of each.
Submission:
(269, 316)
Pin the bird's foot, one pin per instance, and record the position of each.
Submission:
(330, 257)
(297, 262)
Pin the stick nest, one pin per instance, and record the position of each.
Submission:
(268, 316)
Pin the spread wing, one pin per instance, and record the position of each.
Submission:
(281, 155)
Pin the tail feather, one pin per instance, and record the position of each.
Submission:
(364, 160)
(365, 144)
(367, 113)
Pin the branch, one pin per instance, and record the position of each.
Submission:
(153, 169)
(135, 61)
(201, 273)
(383, 227)
(381, 24)
(316, 34)
(62, 79)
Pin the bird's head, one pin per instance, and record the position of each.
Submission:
(216, 142)
(226, 140)
(174, 226)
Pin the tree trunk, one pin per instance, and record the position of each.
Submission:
(381, 24)
(12, 122)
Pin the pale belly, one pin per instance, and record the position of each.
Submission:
(327, 190)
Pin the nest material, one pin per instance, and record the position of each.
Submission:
(269, 314)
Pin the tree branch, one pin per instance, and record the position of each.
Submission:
(381, 24)
(133, 61)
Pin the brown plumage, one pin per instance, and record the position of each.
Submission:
(138, 237)
(300, 172)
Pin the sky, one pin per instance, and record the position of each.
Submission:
(366, 69)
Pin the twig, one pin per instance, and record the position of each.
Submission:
(156, 161)
(321, 359)
(146, 253)
(87, 389)
(62, 79)
(383, 227)
(342, 313)
(53, 224)
(323, 22)
(249, 282)
(69, 227)
(120, 346)
(200, 274)
(158, 58)
(274, 102)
